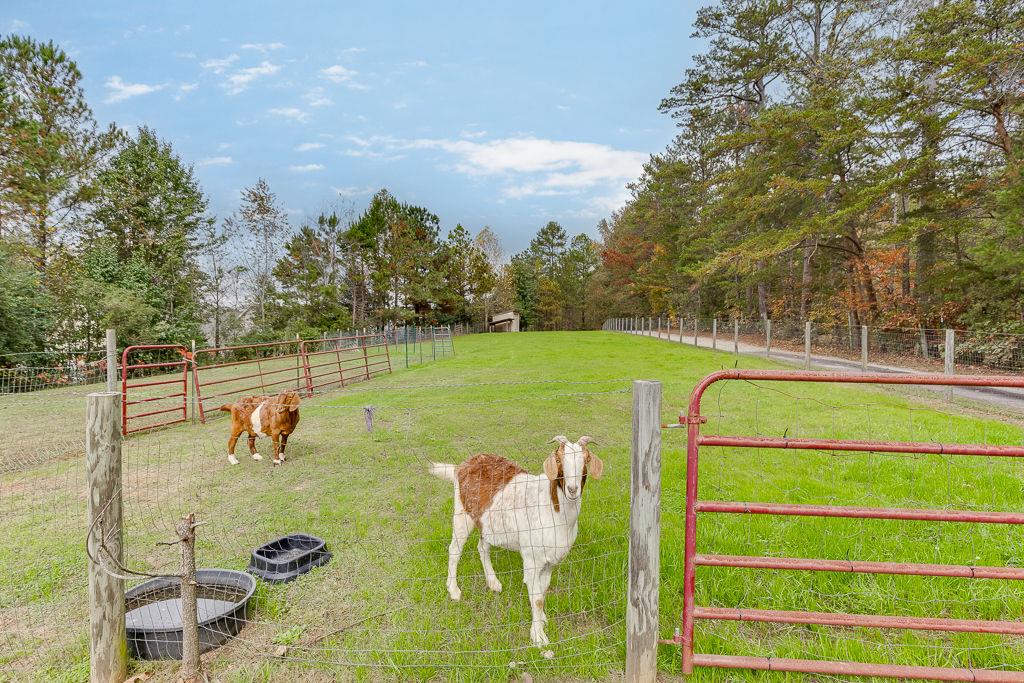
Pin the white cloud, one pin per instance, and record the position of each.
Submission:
(342, 76)
(262, 47)
(224, 145)
(306, 168)
(185, 55)
(417, 63)
(118, 90)
(400, 105)
(316, 97)
(219, 65)
(561, 107)
(529, 166)
(352, 191)
(18, 24)
(309, 146)
(293, 113)
(184, 88)
(472, 134)
(353, 50)
(216, 161)
(240, 80)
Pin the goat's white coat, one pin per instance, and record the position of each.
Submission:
(521, 517)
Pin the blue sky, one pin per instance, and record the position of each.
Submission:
(500, 114)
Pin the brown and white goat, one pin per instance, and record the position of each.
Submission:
(534, 514)
(273, 416)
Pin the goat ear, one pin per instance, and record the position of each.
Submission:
(595, 467)
(293, 403)
(551, 466)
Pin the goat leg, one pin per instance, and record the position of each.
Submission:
(484, 548)
(532, 579)
(231, 447)
(252, 447)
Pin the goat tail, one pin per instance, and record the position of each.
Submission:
(226, 408)
(443, 470)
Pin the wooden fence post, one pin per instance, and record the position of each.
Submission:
(111, 360)
(644, 535)
(736, 336)
(767, 338)
(807, 345)
(108, 649)
(714, 334)
(864, 348)
(695, 332)
(924, 344)
(190, 664)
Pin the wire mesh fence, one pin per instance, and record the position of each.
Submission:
(355, 476)
(26, 372)
(922, 349)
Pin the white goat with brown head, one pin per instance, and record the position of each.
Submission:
(534, 514)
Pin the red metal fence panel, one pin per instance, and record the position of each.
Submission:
(224, 374)
(161, 387)
(338, 361)
(691, 612)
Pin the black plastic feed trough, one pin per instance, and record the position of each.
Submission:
(288, 557)
(153, 619)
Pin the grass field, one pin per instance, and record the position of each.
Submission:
(380, 608)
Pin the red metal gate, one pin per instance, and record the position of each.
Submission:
(337, 361)
(265, 368)
(695, 506)
(155, 373)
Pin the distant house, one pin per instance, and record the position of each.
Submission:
(504, 322)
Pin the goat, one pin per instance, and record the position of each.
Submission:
(534, 514)
(275, 416)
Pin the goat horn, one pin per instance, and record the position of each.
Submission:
(584, 440)
(560, 439)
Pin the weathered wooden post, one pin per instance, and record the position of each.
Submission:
(767, 338)
(191, 668)
(807, 345)
(924, 344)
(736, 336)
(695, 332)
(714, 334)
(108, 649)
(111, 360)
(644, 535)
(864, 348)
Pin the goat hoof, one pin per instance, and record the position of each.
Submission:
(233, 460)
(257, 456)
(277, 462)
(494, 585)
(455, 593)
(537, 634)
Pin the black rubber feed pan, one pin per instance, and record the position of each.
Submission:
(288, 557)
(153, 619)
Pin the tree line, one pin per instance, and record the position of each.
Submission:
(101, 227)
(836, 160)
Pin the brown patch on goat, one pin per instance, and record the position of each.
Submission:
(480, 478)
